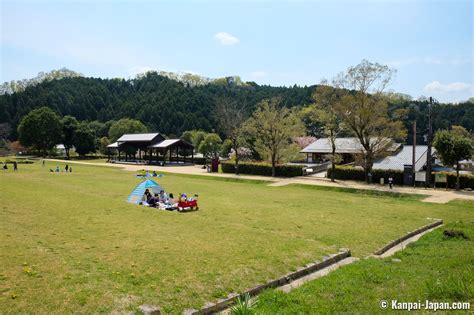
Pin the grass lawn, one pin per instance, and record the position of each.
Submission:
(435, 268)
(70, 243)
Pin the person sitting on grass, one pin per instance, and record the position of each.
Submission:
(57, 169)
(171, 199)
(154, 174)
(146, 196)
(163, 196)
(169, 204)
(153, 201)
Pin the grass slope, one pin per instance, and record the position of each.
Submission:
(70, 243)
(435, 268)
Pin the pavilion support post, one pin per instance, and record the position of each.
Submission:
(192, 156)
(118, 154)
(177, 154)
(170, 155)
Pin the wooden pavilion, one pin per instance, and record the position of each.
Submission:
(150, 148)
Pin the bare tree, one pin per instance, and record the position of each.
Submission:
(364, 109)
(325, 99)
(230, 116)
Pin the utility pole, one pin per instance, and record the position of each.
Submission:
(430, 140)
(413, 161)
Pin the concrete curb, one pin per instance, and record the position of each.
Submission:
(407, 236)
(222, 304)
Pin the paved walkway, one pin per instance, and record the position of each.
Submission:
(433, 195)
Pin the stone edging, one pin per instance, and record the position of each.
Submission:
(407, 236)
(223, 304)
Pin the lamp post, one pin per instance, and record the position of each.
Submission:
(430, 141)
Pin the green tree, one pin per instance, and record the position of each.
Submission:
(210, 146)
(103, 143)
(99, 128)
(453, 146)
(198, 137)
(70, 125)
(226, 148)
(187, 136)
(274, 127)
(41, 129)
(363, 106)
(84, 139)
(125, 125)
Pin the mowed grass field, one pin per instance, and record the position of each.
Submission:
(70, 242)
(435, 268)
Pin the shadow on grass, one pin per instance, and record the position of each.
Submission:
(367, 192)
(216, 178)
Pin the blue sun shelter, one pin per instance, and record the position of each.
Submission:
(137, 194)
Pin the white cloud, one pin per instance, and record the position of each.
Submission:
(258, 74)
(226, 38)
(454, 87)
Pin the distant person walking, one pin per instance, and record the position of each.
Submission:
(66, 168)
(43, 162)
(70, 169)
(15, 166)
(390, 182)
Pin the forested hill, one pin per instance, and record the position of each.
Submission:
(163, 104)
(171, 107)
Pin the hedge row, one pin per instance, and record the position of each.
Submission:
(351, 173)
(465, 181)
(264, 169)
(199, 160)
(19, 161)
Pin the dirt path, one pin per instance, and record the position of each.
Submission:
(433, 195)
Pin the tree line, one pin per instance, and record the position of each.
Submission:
(263, 120)
(172, 107)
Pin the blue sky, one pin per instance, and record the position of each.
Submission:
(430, 43)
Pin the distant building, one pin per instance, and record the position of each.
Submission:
(404, 156)
(60, 149)
(345, 147)
(399, 155)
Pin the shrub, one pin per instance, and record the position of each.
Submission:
(264, 169)
(19, 161)
(199, 160)
(465, 181)
(351, 173)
